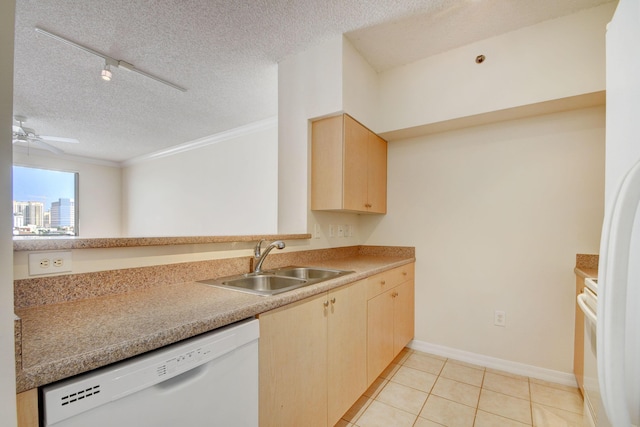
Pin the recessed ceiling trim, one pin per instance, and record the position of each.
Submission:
(109, 61)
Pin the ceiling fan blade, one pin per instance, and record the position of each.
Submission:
(19, 130)
(58, 139)
(48, 147)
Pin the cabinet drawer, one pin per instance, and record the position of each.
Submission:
(386, 280)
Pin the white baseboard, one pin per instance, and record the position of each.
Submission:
(495, 363)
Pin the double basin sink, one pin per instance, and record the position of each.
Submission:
(276, 281)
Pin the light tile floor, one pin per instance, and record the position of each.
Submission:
(422, 390)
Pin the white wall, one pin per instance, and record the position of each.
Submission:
(7, 339)
(100, 190)
(623, 92)
(497, 214)
(360, 86)
(309, 86)
(551, 60)
(226, 187)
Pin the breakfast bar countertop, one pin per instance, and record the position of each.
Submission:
(64, 339)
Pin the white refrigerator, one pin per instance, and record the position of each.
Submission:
(618, 306)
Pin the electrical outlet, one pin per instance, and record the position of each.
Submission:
(49, 263)
(499, 318)
(316, 231)
(332, 231)
(340, 230)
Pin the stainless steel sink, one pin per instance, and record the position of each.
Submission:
(308, 272)
(273, 282)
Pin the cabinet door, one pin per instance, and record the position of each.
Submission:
(326, 163)
(293, 365)
(376, 174)
(356, 142)
(347, 348)
(403, 315)
(379, 334)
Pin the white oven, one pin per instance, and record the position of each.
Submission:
(594, 415)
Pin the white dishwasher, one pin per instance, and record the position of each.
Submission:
(208, 380)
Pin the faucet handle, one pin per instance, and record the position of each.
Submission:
(257, 249)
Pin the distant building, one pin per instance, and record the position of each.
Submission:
(63, 213)
(28, 213)
(18, 220)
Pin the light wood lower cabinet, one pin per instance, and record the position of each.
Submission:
(403, 316)
(313, 358)
(390, 317)
(578, 338)
(27, 403)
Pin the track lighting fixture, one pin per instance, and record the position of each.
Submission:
(106, 73)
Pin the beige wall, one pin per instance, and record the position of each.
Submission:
(7, 358)
(497, 214)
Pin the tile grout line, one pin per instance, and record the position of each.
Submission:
(530, 400)
(429, 393)
(475, 415)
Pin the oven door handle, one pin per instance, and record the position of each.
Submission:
(591, 315)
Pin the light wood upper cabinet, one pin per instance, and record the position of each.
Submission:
(313, 358)
(348, 167)
(390, 317)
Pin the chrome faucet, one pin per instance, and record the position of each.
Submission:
(260, 257)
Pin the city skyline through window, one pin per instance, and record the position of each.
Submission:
(44, 202)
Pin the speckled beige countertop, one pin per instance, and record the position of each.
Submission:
(64, 339)
(586, 265)
(41, 243)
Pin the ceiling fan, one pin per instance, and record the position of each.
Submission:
(29, 136)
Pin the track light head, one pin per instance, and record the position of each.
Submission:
(106, 73)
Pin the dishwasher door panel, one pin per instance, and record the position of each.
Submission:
(221, 392)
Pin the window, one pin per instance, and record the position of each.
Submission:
(44, 202)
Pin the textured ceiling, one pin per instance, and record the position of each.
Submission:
(224, 52)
